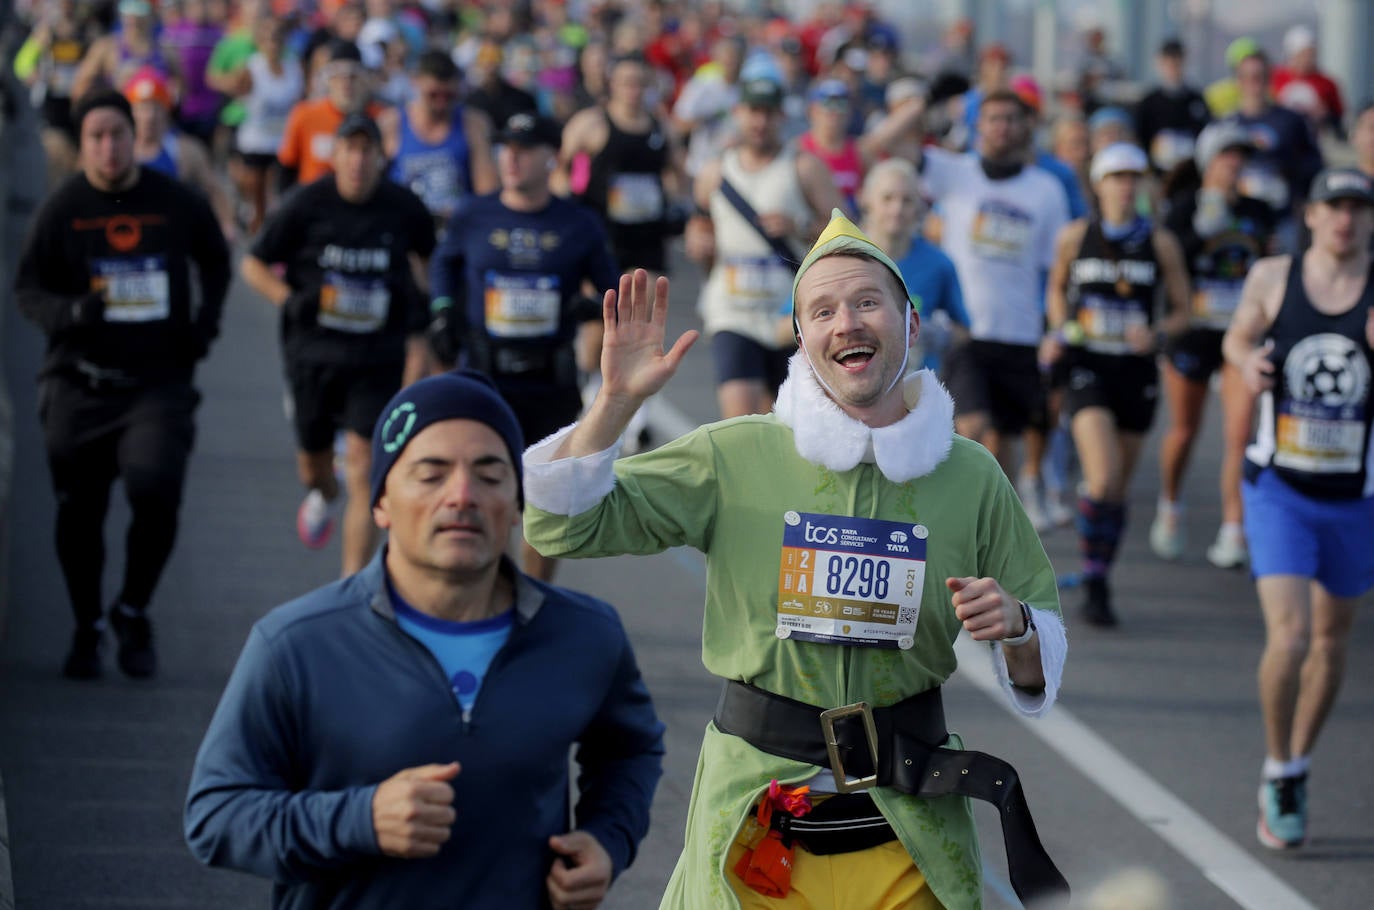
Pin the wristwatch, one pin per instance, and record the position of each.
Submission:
(1030, 626)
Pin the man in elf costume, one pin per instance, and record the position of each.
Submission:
(849, 537)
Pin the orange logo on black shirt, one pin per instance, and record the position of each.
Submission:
(123, 233)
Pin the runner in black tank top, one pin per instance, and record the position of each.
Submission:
(625, 185)
(1103, 288)
(1303, 337)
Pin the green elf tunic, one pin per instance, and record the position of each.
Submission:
(730, 489)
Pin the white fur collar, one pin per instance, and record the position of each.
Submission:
(825, 435)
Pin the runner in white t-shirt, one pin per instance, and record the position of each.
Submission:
(1000, 217)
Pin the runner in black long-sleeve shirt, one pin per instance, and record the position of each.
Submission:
(105, 274)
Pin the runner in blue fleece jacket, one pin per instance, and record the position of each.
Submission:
(400, 738)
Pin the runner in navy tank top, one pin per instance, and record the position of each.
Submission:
(1303, 336)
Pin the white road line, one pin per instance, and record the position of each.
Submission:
(1240, 876)
(1244, 879)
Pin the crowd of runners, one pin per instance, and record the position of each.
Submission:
(423, 185)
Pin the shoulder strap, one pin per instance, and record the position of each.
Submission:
(746, 211)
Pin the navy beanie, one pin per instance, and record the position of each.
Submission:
(456, 395)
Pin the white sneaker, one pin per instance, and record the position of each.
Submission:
(1229, 550)
(1058, 512)
(1167, 537)
(1032, 495)
(315, 520)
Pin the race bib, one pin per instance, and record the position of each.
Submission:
(634, 199)
(522, 306)
(322, 146)
(1263, 182)
(1320, 423)
(1001, 231)
(757, 282)
(1214, 302)
(1106, 320)
(1170, 147)
(353, 303)
(850, 581)
(135, 289)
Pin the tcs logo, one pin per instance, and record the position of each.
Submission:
(821, 534)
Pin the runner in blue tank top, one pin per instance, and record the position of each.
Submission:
(439, 148)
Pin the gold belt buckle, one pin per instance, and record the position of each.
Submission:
(843, 783)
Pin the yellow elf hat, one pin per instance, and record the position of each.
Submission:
(843, 236)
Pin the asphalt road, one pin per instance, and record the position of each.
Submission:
(1152, 762)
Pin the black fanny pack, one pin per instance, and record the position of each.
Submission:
(550, 364)
(895, 746)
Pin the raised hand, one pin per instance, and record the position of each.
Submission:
(634, 365)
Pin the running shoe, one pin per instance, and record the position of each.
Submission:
(1057, 512)
(83, 660)
(315, 520)
(1167, 538)
(1097, 602)
(134, 633)
(1229, 550)
(1032, 496)
(1283, 813)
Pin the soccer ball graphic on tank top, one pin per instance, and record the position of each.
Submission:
(1327, 369)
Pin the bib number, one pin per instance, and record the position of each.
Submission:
(758, 283)
(522, 306)
(136, 290)
(1001, 231)
(634, 199)
(1106, 321)
(850, 581)
(1214, 303)
(351, 303)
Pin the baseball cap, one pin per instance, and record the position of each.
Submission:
(902, 88)
(1171, 48)
(135, 8)
(354, 124)
(1118, 158)
(1216, 138)
(147, 84)
(761, 93)
(1342, 183)
(828, 90)
(1298, 39)
(1239, 49)
(530, 130)
(345, 52)
(1109, 116)
(1028, 90)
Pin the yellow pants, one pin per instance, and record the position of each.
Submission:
(879, 878)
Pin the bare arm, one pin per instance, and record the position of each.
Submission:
(199, 173)
(260, 278)
(700, 237)
(818, 186)
(94, 66)
(1177, 291)
(389, 125)
(481, 162)
(1260, 298)
(578, 139)
(1056, 300)
(634, 365)
(891, 128)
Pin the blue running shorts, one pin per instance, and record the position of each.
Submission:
(1292, 534)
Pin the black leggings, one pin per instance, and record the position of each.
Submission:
(142, 436)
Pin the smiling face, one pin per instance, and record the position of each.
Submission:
(450, 501)
(853, 325)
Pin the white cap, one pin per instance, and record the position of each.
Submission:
(1298, 39)
(1216, 138)
(374, 34)
(1117, 158)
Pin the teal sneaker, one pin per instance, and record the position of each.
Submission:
(1283, 813)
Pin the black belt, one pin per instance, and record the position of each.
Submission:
(895, 746)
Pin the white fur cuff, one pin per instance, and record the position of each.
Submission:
(568, 486)
(1054, 650)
